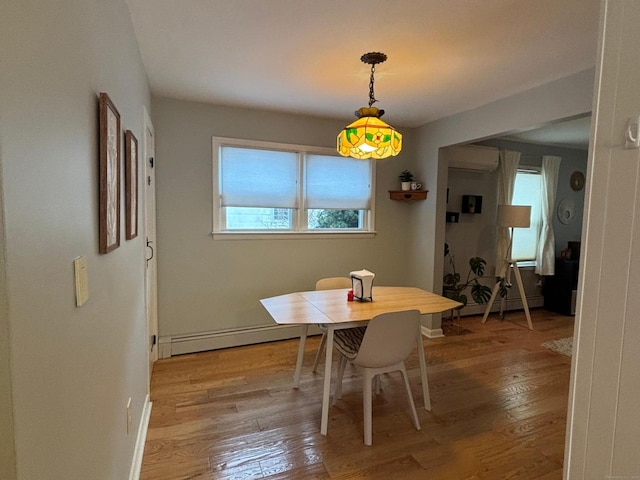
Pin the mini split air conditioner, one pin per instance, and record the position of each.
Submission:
(472, 158)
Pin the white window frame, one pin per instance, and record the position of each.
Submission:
(299, 220)
(530, 170)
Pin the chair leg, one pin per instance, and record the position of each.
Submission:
(416, 421)
(342, 363)
(376, 384)
(323, 342)
(366, 404)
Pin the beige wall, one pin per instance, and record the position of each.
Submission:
(475, 234)
(7, 450)
(208, 285)
(564, 98)
(573, 159)
(199, 276)
(72, 369)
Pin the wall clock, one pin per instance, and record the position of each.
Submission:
(577, 181)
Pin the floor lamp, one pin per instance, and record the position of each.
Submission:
(511, 216)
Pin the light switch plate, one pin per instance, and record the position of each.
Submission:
(82, 280)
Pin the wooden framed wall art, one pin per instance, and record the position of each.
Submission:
(131, 185)
(109, 229)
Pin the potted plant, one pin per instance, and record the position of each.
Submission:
(406, 177)
(454, 286)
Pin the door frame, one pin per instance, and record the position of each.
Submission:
(149, 243)
(603, 419)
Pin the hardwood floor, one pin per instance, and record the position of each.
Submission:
(499, 404)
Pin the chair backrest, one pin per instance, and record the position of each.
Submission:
(333, 283)
(389, 339)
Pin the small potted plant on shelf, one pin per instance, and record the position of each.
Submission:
(406, 177)
(453, 286)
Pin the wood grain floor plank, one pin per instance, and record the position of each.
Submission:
(499, 403)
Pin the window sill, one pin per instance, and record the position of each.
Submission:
(527, 264)
(289, 235)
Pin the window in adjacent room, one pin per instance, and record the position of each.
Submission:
(527, 191)
(262, 187)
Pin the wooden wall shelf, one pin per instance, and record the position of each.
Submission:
(408, 195)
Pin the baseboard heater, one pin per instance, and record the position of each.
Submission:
(200, 342)
(473, 308)
(169, 346)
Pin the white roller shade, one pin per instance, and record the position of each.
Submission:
(258, 178)
(338, 183)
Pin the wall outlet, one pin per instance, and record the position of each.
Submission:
(129, 416)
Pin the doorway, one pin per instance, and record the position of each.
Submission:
(151, 280)
(474, 234)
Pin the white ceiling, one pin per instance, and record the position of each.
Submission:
(571, 133)
(303, 56)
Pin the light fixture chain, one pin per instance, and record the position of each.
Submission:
(372, 98)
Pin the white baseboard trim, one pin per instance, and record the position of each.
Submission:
(138, 452)
(200, 342)
(432, 332)
(164, 347)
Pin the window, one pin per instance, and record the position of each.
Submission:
(262, 187)
(282, 216)
(527, 191)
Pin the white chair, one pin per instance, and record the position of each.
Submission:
(381, 347)
(330, 283)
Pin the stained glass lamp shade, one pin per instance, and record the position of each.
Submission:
(370, 137)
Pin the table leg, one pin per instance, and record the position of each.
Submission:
(303, 340)
(327, 381)
(423, 372)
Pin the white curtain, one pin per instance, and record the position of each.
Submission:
(509, 161)
(545, 255)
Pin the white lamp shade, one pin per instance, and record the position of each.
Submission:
(514, 216)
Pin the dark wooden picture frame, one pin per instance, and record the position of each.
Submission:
(110, 139)
(131, 185)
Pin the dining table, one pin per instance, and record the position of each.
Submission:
(332, 309)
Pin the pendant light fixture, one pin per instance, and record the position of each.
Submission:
(370, 137)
